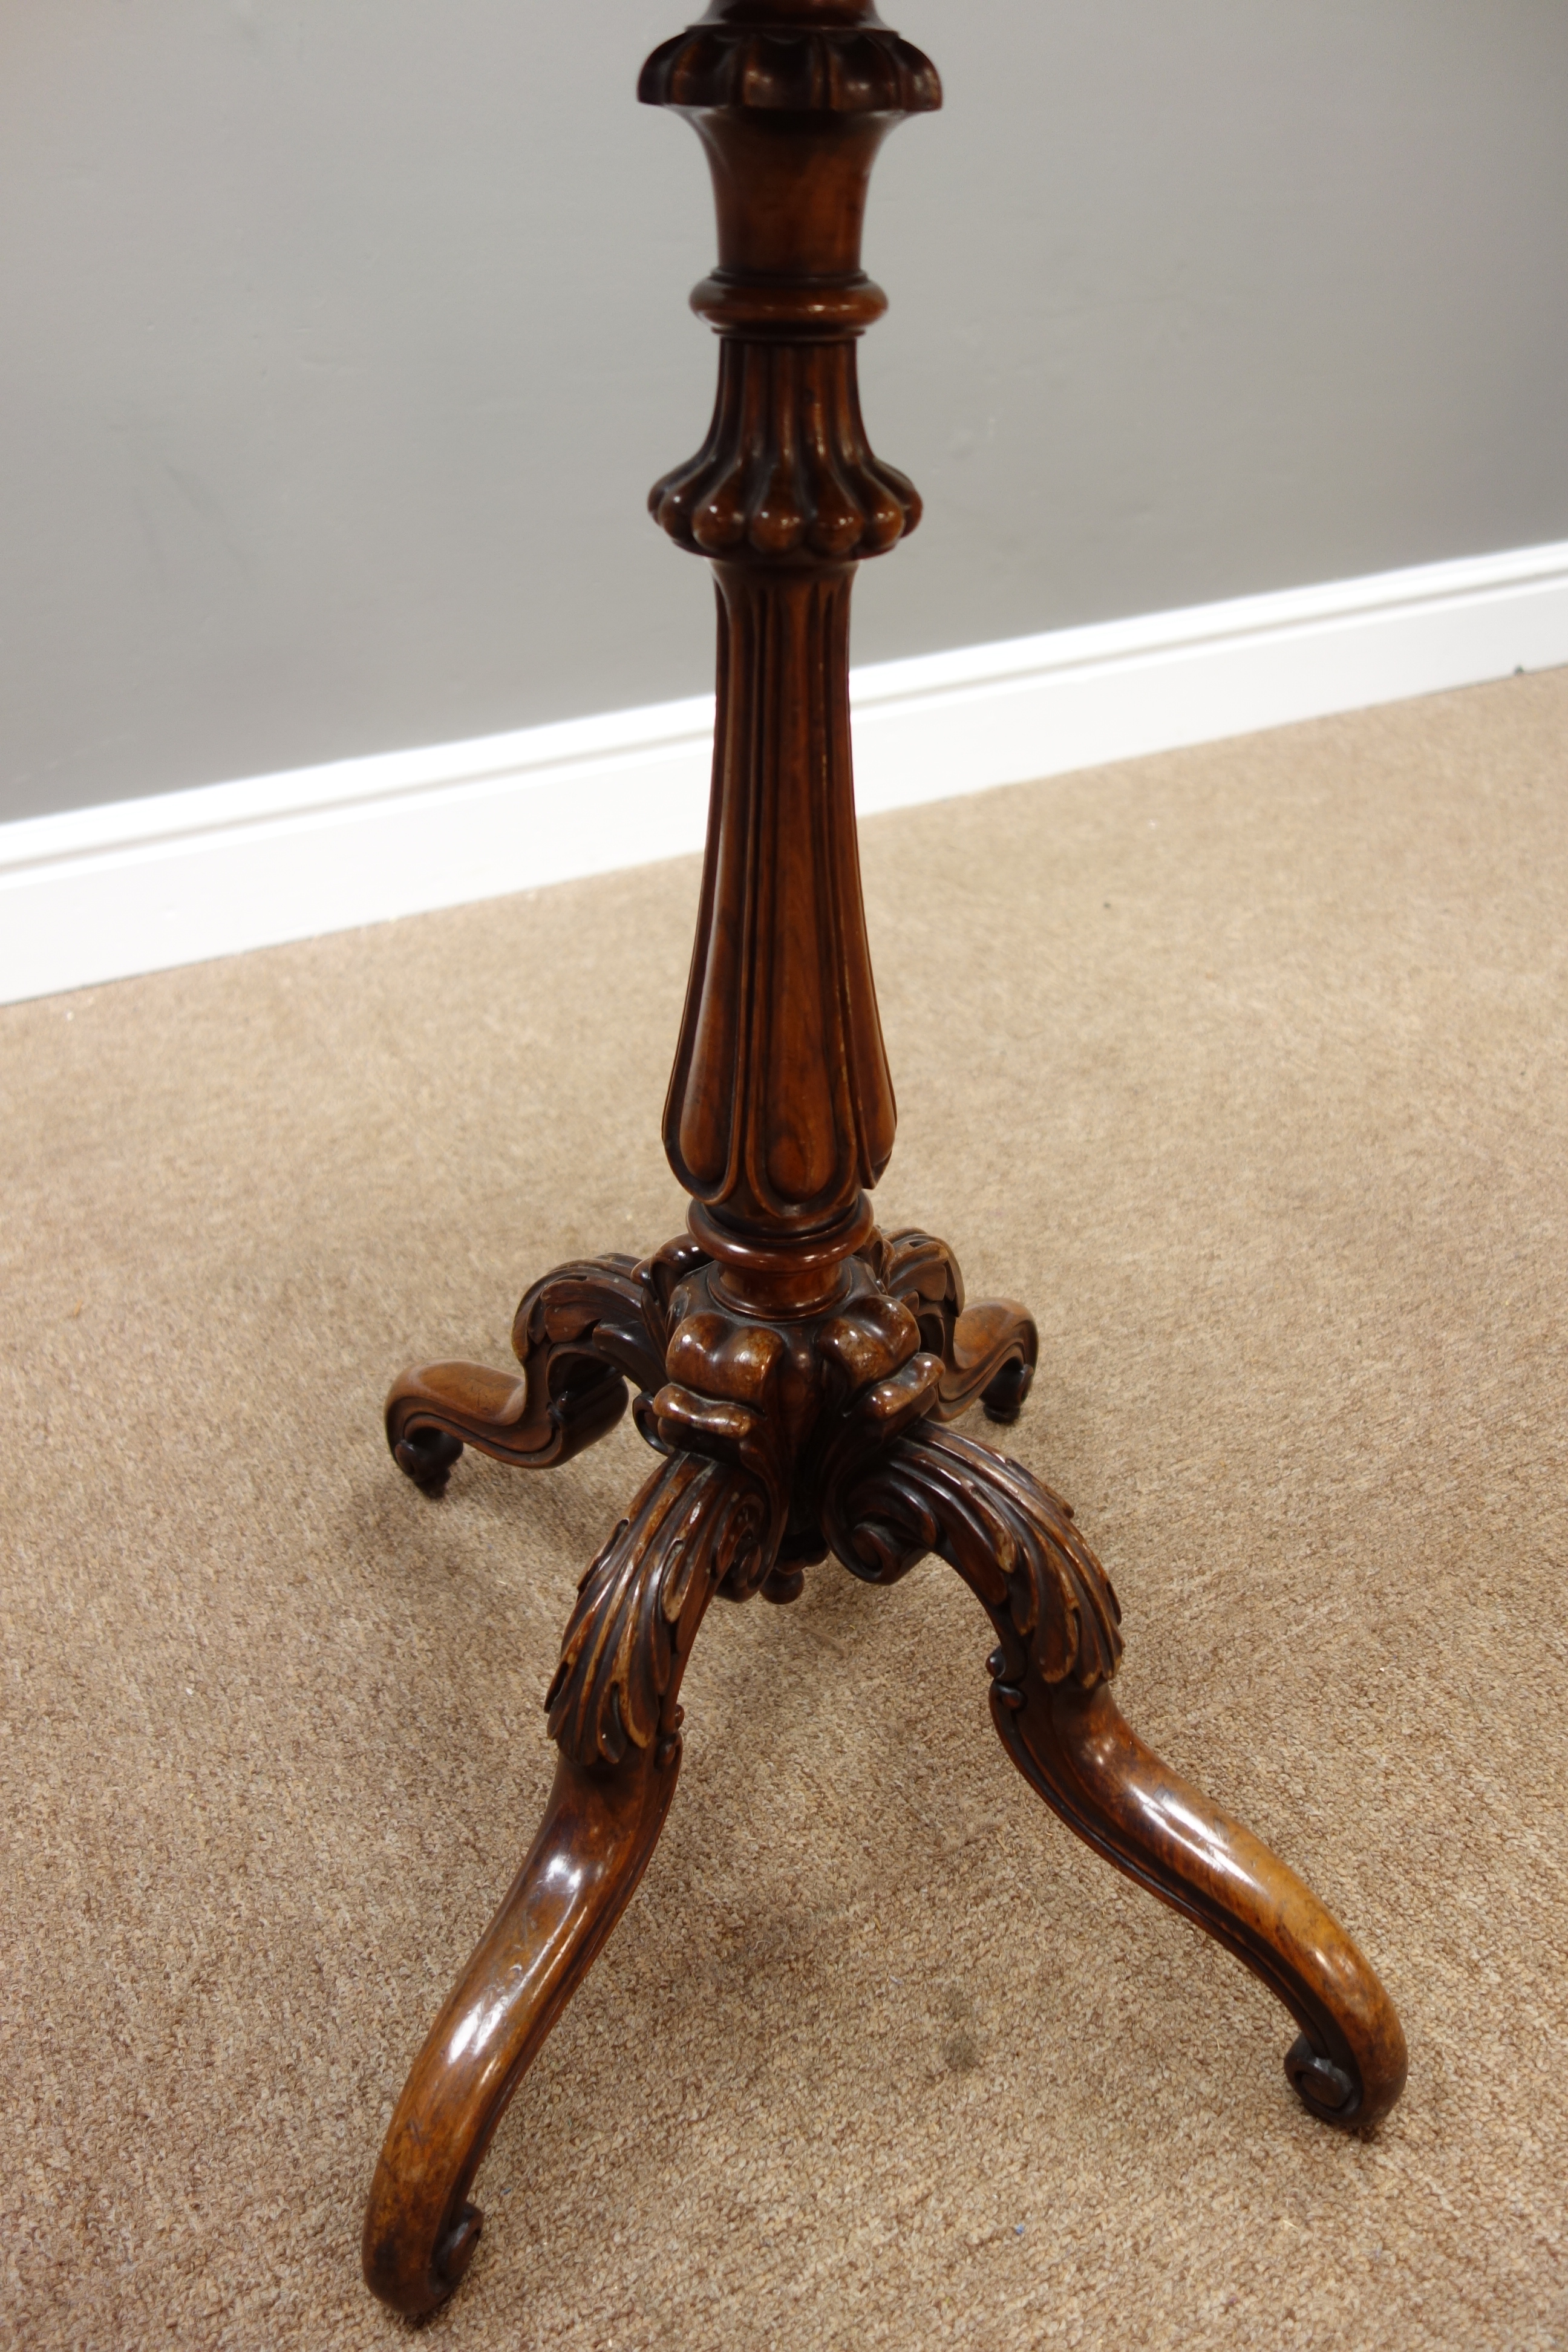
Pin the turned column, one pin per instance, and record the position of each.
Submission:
(781, 1114)
(792, 1369)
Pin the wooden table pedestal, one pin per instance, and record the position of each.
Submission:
(795, 1370)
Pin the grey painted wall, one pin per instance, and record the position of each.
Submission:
(342, 339)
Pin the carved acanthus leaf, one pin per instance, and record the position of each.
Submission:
(775, 1398)
(1009, 1537)
(640, 1602)
(580, 1335)
(582, 1320)
(989, 1350)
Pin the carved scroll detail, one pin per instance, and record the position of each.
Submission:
(989, 1350)
(588, 1317)
(1012, 1541)
(580, 1334)
(775, 1398)
(795, 1390)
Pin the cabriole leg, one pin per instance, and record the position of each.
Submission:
(1056, 1616)
(1348, 2064)
(614, 1712)
(599, 1829)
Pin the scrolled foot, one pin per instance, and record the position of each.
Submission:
(1002, 1399)
(614, 1712)
(580, 1335)
(1348, 2065)
(426, 1456)
(1056, 1616)
(433, 1411)
(420, 2225)
(1324, 2089)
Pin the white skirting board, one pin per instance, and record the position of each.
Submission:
(99, 893)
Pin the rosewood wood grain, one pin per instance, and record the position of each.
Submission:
(781, 1106)
(794, 1367)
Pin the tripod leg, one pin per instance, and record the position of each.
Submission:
(613, 1710)
(599, 1831)
(580, 1334)
(1012, 1541)
(1348, 2064)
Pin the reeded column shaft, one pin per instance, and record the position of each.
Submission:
(780, 1105)
(781, 1112)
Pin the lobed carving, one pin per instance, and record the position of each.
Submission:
(781, 1109)
(787, 470)
(855, 69)
(793, 1367)
(989, 1350)
(772, 1397)
(786, 1431)
(923, 1272)
(694, 1524)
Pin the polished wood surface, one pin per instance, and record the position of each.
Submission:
(1059, 1640)
(794, 1369)
(613, 1710)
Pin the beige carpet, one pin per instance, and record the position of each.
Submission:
(1248, 1068)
